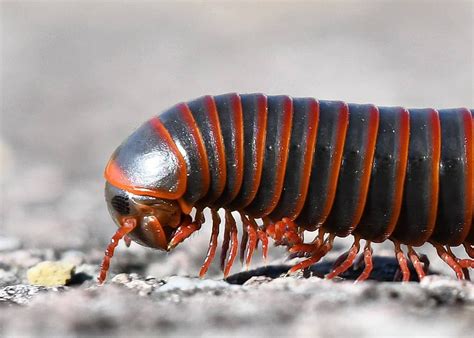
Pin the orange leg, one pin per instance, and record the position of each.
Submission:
(262, 236)
(269, 227)
(402, 262)
(183, 232)
(127, 226)
(251, 228)
(316, 256)
(187, 228)
(243, 243)
(464, 263)
(417, 264)
(234, 242)
(291, 232)
(308, 248)
(280, 228)
(368, 263)
(286, 233)
(450, 260)
(211, 252)
(289, 225)
(347, 263)
(225, 242)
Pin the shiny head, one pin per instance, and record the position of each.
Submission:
(146, 180)
(154, 220)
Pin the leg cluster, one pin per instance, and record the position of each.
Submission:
(286, 233)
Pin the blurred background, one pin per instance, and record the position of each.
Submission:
(78, 77)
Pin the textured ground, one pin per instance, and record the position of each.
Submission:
(76, 78)
(261, 302)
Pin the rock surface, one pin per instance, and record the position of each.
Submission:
(78, 77)
(261, 302)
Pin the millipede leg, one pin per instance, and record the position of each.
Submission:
(243, 243)
(339, 260)
(291, 234)
(316, 256)
(368, 263)
(253, 240)
(349, 260)
(279, 231)
(234, 243)
(417, 264)
(127, 226)
(183, 232)
(250, 227)
(211, 252)
(464, 263)
(225, 241)
(402, 262)
(426, 263)
(284, 232)
(187, 229)
(450, 260)
(301, 249)
(269, 227)
(262, 236)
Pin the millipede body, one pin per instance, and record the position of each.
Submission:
(289, 165)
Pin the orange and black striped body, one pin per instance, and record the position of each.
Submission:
(378, 173)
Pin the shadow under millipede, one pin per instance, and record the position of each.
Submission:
(385, 269)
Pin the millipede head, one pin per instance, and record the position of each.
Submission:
(156, 219)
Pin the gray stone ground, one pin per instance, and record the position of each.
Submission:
(78, 77)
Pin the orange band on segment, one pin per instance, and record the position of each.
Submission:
(282, 155)
(260, 133)
(401, 172)
(187, 117)
(182, 178)
(472, 166)
(115, 175)
(336, 162)
(219, 143)
(468, 189)
(436, 151)
(312, 133)
(185, 206)
(239, 146)
(367, 169)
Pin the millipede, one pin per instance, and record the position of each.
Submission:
(286, 166)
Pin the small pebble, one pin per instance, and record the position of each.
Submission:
(121, 278)
(50, 273)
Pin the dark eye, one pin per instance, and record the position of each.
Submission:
(121, 204)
